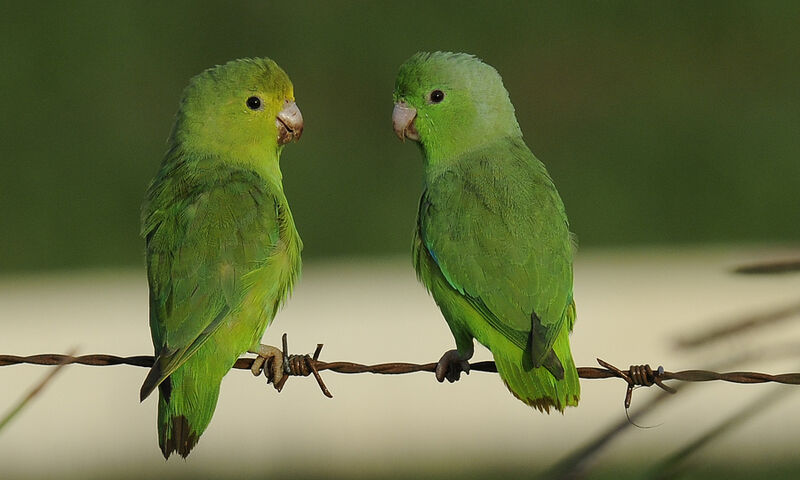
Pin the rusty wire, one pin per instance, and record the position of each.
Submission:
(305, 365)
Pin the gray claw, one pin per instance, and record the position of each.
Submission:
(450, 366)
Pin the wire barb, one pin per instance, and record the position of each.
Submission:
(638, 376)
(302, 366)
(305, 365)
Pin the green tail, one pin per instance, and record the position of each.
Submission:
(538, 387)
(186, 404)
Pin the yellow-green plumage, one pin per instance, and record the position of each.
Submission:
(222, 248)
(492, 242)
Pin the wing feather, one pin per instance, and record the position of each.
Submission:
(495, 225)
(201, 241)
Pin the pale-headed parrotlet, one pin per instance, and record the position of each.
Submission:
(492, 242)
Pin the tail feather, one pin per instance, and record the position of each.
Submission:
(185, 407)
(181, 439)
(538, 387)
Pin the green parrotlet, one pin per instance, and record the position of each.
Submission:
(222, 249)
(492, 242)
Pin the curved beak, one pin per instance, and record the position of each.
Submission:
(289, 122)
(403, 121)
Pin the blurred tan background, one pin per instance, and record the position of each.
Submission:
(671, 134)
(633, 305)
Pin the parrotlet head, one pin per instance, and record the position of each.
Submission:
(242, 106)
(451, 103)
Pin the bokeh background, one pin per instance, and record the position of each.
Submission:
(672, 133)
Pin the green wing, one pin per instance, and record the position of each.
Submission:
(204, 234)
(495, 225)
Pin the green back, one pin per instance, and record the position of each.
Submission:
(495, 226)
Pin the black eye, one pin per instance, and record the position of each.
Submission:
(437, 96)
(253, 103)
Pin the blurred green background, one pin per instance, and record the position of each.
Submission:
(659, 123)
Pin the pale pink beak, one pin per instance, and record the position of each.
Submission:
(289, 122)
(403, 121)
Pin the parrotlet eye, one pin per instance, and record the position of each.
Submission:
(254, 103)
(437, 96)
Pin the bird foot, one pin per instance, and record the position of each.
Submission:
(450, 366)
(271, 361)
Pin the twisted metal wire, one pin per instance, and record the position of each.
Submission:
(305, 365)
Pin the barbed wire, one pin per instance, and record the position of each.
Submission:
(305, 365)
